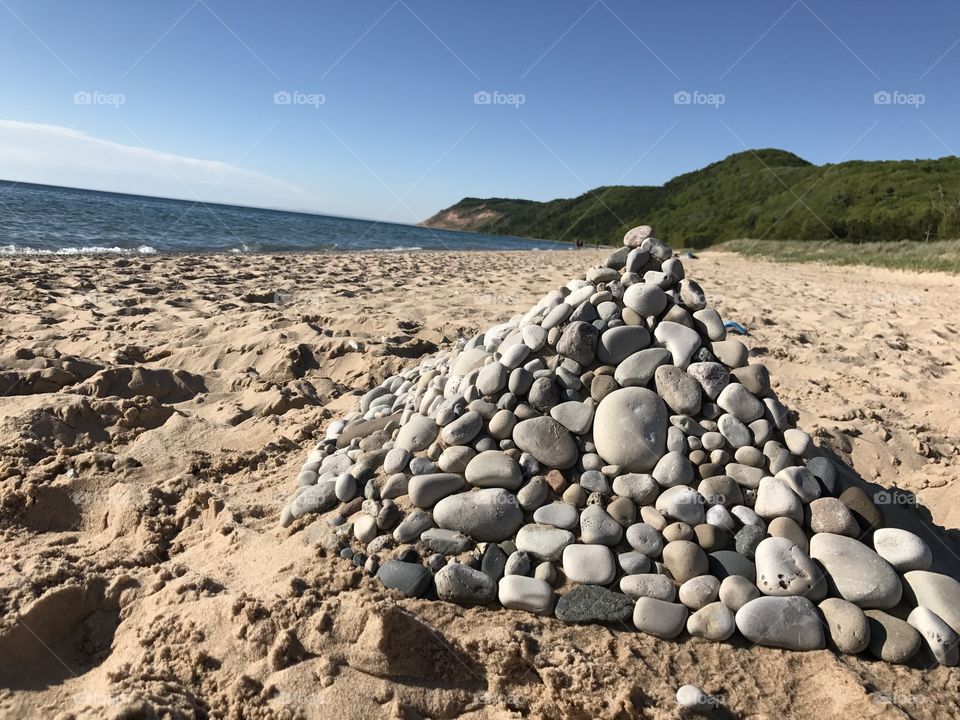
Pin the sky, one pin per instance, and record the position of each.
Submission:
(394, 109)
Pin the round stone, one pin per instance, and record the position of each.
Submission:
(775, 499)
(633, 562)
(891, 639)
(792, 623)
(785, 569)
(547, 441)
(618, 343)
(713, 377)
(629, 429)
(692, 698)
(714, 621)
(648, 585)
(638, 369)
(486, 515)
(736, 591)
(673, 469)
(417, 434)
(634, 237)
(661, 619)
(579, 342)
(685, 560)
(645, 539)
(464, 585)
(829, 515)
(597, 526)
(492, 379)
(464, 429)
(543, 542)
(494, 469)
(412, 579)
(589, 564)
(680, 340)
(902, 549)
(558, 514)
(518, 592)
(642, 489)
(847, 624)
(682, 503)
(699, 592)
(855, 572)
(740, 402)
(645, 299)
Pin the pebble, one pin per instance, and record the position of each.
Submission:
(544, 542)
(699, 592)
(558, 514)
(680, 391)
(593, 603)
(680, 340)
(446, 542)
(792, 623)
(633, 562)
(672, 469)
(938, 636)
(682, 503)
(891, 639)
(639, 369)
(575, 416)
(645, 299)
(936, 592)
(534, 494)
(855, 572)
(464, 585)
(787, 528)
(518, 563)
(578, 341)
(868, 515)
(493, 561)
(413, 526)
(902, 549)
(847, 625)
(630, 429)
(803, 482)
(646, 539)
(829, 515)
(589, 564)
(711, 376)
(548, 441)
(692, 698)
(518, 592)
(775, 499)
(486, 515)
(714, 621)
(641, 488)
(684, 560)
(598, 527)
(723, 563)
(464, 429)
(412, 579)
(659, 618)
(784, 569)
(417, 434)
(396, 461)
(494, 469)
(736, 591)
(426, 490)
(618, 343)
(660, 587)
(740, 402)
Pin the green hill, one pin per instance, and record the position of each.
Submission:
(770, 194)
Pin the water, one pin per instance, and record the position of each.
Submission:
(42, 219)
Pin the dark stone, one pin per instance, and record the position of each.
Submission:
(579, 342)
(412, 579)
(867, 514)
(727, 562)
(493, 562)
(593, 603)
(747, 539)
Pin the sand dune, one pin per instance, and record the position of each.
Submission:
(155, 409)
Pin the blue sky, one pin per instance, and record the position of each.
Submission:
(185, 98)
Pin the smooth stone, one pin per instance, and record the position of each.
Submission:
(685, 560)
(724, 563)
(682, 503)
(731, 353)
(646, 539)
(575, 416)
(936, 592)
(594, 481)
(792, 623)
(692, 296)
(455, 459)
(939, 637)
(672, 469)
(652, 517)
(891, 639)
(345, 487)
(741, 403)
(589, 564)
(695, 700)
(623, 510)
(747, 516)
(642, 489)
(699, 592)
(784, 569)
(464, 429)
(866, 512)
(518, 563)
(787, 528)
(446, 542)
(514, 356)
(629, 429)
(618, 343)
(413, 526)
(417, 434)
(825, 472)
(579, 342)
(395, 486)
(493, 562)
(803, 482)
(829, 515)
(317, 498)
(597, 527)
(501, 425)
(711, 376)
(636, 236)
(544, 542)
(736, 591)
(464, 585)
(365, 528)
(714, 621)
(534, 337)
(678, 531)
(659, 618)
(486, 515)
(734, 431)
(534, 494)
(558, 514)
(797, 441)
(412, 579)
(426, 490)
(775, 499)
(593, 603)
(494, 469)
(719, 517)
(902, 549)
(518, 592)
(633, 562)
(557, 316)
(645, 299)
(855, 572)
(396, 461)
(679, 391)
(544, 393)
(847, 625)
(641, 585)
(720, 490)
(747, 540)
(711, 538)
(547, 441)
(680, 340)
(639, 369)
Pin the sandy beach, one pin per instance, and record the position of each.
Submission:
(154, 411)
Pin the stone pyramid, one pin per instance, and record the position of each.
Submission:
(612, 456)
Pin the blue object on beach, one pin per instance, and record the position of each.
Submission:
(692, 256)
(736, 327)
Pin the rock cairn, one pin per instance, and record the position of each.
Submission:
(611, 456)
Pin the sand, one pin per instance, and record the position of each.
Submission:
(154, 411)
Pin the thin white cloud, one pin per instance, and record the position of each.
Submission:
(56, 155)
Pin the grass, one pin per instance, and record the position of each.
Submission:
(934, 256)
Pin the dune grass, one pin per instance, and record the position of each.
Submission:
(935, 256)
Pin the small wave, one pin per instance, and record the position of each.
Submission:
(396, 249)
(91, 250)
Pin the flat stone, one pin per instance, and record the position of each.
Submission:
(317, 498)
(646, 539)
(464, 429)
(548, 441)
(455, 459)
(598, 527)
(785, 569)
(518, 592)
(412, 579)
(714, 621)
(630, 429)
(589, 564)
(645, 299)
(633, 562)
(734, 431)
(731, 353)
(682, 503)
(594, 604)
(847, 625)
(740, 402)
(486, 515)
(829, 515)
(543, 542)
(775, 499)
(494, 469)
(792, 623)
(464, 585)
(736, 591)
(685, 560)
(672, 469)
(493, 562)
(938, 636)
(417, 434)
(936, 592)
(891, 639)
(638, 369)
(641, 488)
(618, 343)
(446, 542)
(720, 490)
(413, 526)
(577, 417)
(902, 549)
(641, 585)
(724, 563)
(699, 592)
(855, 572)
(558, 514)
(661, 619)
(787, 528)
(803, 482)
(426, 490)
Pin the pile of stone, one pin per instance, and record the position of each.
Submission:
(612, 456)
